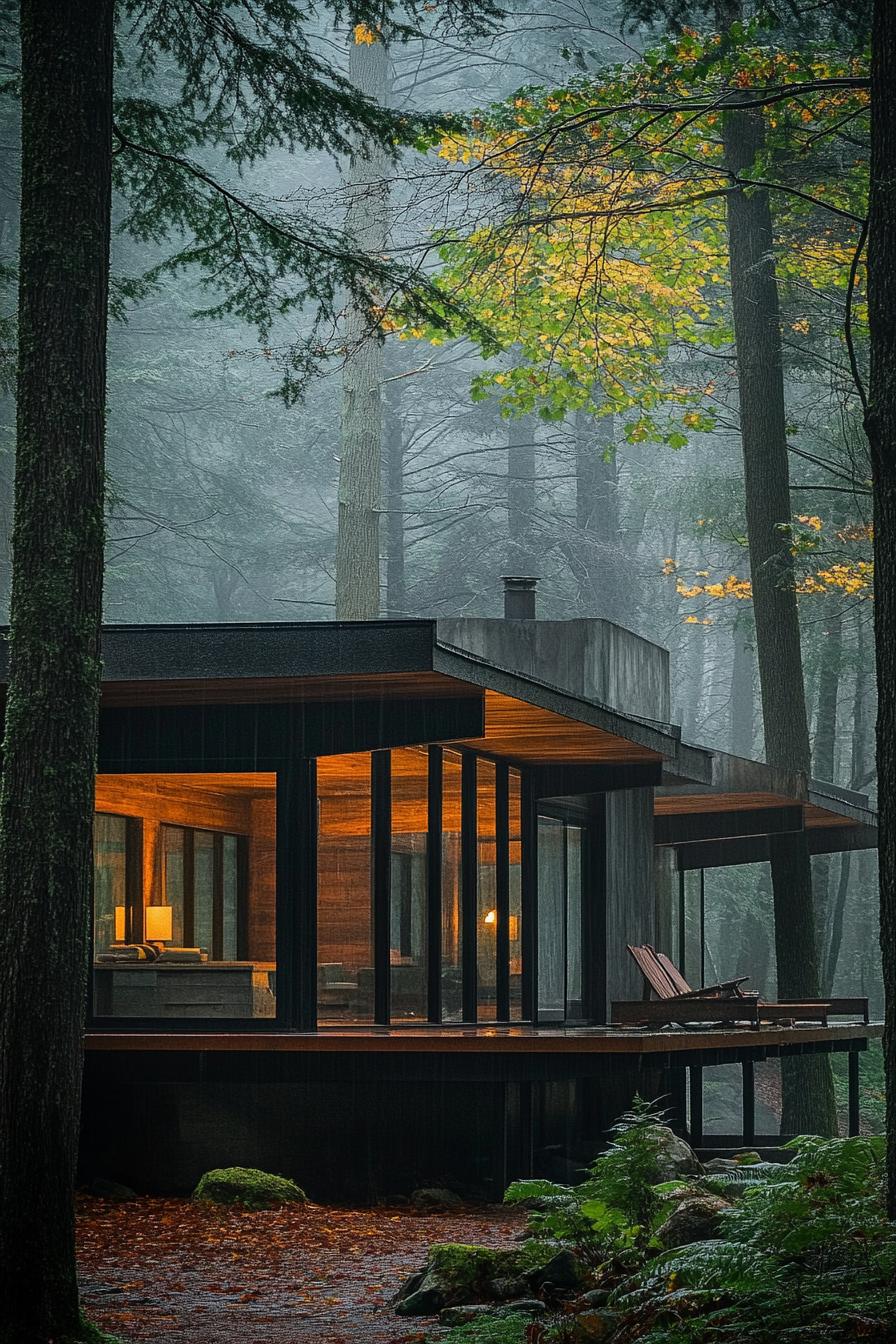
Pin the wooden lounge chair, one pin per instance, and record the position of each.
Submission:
(725, 1002)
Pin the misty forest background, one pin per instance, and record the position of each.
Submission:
(223, 492)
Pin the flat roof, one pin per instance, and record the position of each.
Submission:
(726, 804)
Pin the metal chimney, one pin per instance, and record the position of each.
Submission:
(519, 598)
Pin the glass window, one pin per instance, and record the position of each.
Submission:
(551, 918)
(110, 893)
(452, 935)
(486, 893)
(574, 991)
(515, 828)
(194, 917)
(407, 942)
(204, 891)
(560, 979)
(344, 889)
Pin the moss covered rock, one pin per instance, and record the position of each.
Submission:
(249, 1188)
(455, 1275)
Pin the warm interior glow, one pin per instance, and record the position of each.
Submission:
(491, 917)
(159, 923)
(119, 923)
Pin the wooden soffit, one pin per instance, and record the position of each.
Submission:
(517, 730)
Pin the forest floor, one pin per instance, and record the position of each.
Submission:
(168, 1269)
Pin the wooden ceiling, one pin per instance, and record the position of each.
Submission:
(672, 805)
(203, 787)
(522, 732)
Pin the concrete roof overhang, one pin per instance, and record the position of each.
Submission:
(732, 819)
(582, 745)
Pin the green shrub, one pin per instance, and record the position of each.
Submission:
(247, 1187)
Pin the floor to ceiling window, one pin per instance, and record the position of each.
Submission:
(452, 930)
(345, 971)
(408, 884)
(560, 986)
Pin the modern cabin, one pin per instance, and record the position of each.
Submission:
(363, 894)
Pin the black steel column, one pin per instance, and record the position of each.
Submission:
(434, 886)
(381, 872)
(502, 892)
(749, 1104)
(853, 1098)
(594, 916)
(296, 932)
(469, 877)
(695, 1128)
(529, 896)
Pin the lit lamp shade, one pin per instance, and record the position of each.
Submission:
(119, 923)
(158, 923)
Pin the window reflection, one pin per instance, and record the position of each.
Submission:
(560, 993)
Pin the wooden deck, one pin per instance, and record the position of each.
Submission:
(520, 1040)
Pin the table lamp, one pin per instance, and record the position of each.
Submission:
(158, 923)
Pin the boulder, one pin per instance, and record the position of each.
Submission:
(595, 1297)
(674, 1157)
(248, 1188)
(435, 1200)
(694, 1218)
(719, 1164)
(458, 1275)
(562, 1271)
(102, 1189)
(524, 1306)
(590, 1327)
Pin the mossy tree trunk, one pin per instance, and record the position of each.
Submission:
(880, 423)
(46, 801)
(807, 1084)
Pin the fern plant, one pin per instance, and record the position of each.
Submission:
(807, 1257)
(609, 1217)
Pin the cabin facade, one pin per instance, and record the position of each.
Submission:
(363, 894)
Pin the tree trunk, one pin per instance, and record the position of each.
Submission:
(824, 753)
(740, 720)
(396, 586)
(881, 427)
(808, 1093)
(46, 800)
(522, 557)
(357, 538)
(598, 572)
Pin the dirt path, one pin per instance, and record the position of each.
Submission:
(166, 1269)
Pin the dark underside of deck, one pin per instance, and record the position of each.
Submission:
(363, 1113)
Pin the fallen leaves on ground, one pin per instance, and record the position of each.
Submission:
(168, 1269)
